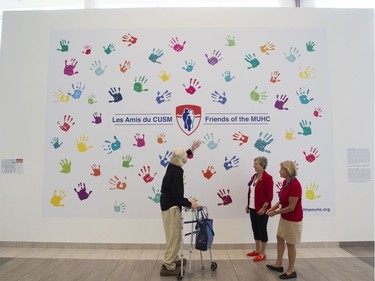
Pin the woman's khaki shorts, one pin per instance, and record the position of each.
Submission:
(290, 231)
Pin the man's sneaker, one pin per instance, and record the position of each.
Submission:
(178, 263)
(165, 272)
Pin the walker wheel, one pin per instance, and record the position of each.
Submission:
(213, 266)
(179, 276)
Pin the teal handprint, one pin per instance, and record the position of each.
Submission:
(306, 128)
(227, 76)
(156, 197)
(155, 55)
(126, 161)
(55, 143)
(258, 97)
(66, 166)
(262, 142)
(302, 94)
(293, 54)
(109, 49)
(139, 83)
(310, 46)
(189, 65)
(112, 146)
(64, 46)
(209, 140)
(252, 60)
(119, 207)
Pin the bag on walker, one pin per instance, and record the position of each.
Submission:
(204, 234)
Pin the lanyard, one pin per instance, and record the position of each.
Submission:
(285, 186)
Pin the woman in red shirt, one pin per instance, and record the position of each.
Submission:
(259, 198)
(289, 231)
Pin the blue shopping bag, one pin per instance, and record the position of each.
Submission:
(204, 234)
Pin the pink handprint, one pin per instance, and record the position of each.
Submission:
(194, 85)
(117, 184)
(140, 140)
(225, 197)
(317, 112)
(68, 122)
(279, 185)
(69, 68)
(175, 45)
(216, 57)
(145, 174)
(87, 50)
(240, 137)
(209, 172)
(311, 157)
(128, 38)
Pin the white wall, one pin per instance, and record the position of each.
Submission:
(24, 65)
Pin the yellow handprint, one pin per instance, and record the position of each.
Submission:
(61, 97)
(56, 199)
(310, 191)
(289, 135)
(164, 76)
(81, 143)
(308, 73)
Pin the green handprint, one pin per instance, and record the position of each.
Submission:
(139, 83)
(259, 97)
(230, 41)
(306, 128)
(156, 197)
(66, 166)
(91, 99)
(126, 161)
(310, 191)
(64, 46)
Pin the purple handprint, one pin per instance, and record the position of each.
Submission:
(194, 85)
(97, 118)
(225, 197)
(140, 140)
(280, 102)
(69, 68)
(216, 57)
(82, 193)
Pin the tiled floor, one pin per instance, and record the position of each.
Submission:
(60, 264)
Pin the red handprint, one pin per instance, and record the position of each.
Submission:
(68, 122)
(279, 185)
(240, 137)
(275, 77)
(311, 157)
(225, 197)
(87, 50)
(95, 170)
(317, 112)
(145, 174)
(129, 39)
(209, 172)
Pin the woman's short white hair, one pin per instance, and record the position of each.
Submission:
(179, 156)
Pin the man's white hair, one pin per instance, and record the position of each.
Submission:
(179, 156)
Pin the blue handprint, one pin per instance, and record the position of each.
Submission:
(155, 55)
(78, 88)
(302, 94)
(189, 65)
(227, 76)
(112, 146)
(261, 143)
(164, 161)
(96, 66)
(116, 94)
(55, 143)
(232, 163)
(163, 97)
(119, 207)
(293, 54)
(216, 97)
(252, 60)
(306, 128)
(209, 139)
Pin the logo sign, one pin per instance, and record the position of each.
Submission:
(188, 117)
